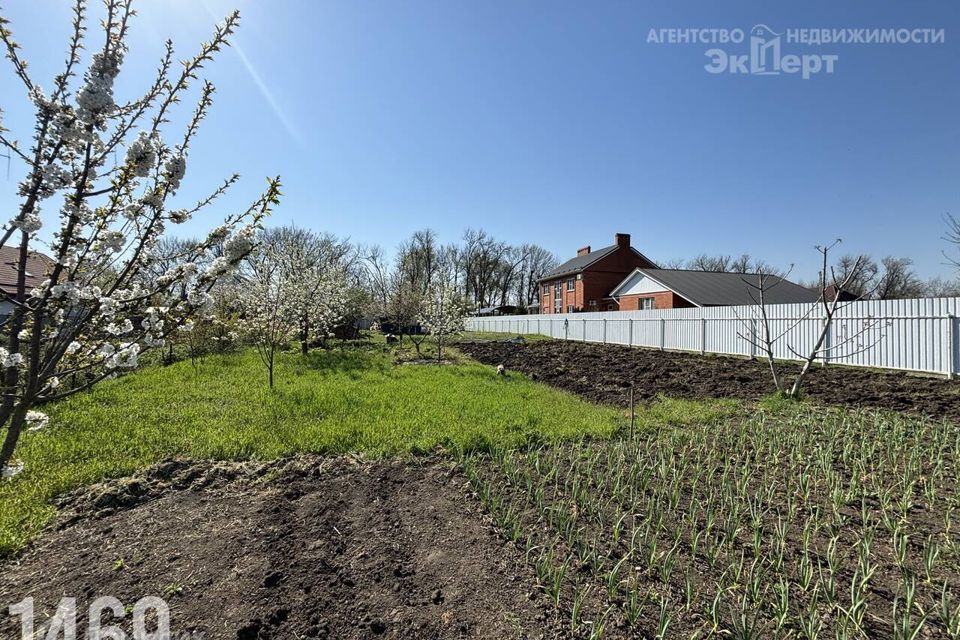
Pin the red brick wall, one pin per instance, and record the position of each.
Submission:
(597, 281)
(600, 278)
(574, 297)
(662, 300)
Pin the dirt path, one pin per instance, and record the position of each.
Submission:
(307, 548)
(603, 373)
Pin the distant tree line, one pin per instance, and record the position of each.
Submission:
(889, 278)
(483, 270)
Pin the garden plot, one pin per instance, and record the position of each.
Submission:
(308, 547)
(604, 373)
(811, 524)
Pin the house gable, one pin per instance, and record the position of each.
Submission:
(638, 283)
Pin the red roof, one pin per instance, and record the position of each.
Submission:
(38, 266)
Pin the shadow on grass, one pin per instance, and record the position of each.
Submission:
(350, 360)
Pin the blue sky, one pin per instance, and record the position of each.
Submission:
(558, 123)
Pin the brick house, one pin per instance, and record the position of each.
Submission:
(680, 288)
(620, 278)
(38, 266)
(584, 283)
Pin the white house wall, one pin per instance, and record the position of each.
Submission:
(641, 284)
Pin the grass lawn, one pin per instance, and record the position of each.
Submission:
(355, 400)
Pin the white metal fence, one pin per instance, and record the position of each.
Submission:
(912, 335)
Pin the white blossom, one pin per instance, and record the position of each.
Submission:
(179, 216)
(36, 420)
(112, 241)
(239, 244)
(175, 167)
(218, 267)
(124, 327)
(142, 154)
(65, 290)
(11, 470)
(109, 306)
(29, 223)
(12, 359)
(95, 98)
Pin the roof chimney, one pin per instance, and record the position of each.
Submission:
(622, 240)
(582, 251)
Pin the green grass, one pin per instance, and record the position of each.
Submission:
(354, 400)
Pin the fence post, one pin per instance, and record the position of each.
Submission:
(604, 333)
(663, 334)
(584, 329)
(630, 332)
(753, 335)
(951, 341)
(703, 336)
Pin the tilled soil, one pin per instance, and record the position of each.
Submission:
(309, 547)
(604, 373)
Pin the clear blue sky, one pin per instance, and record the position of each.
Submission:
(557, 122)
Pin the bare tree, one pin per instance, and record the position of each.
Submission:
(831, 287)
(704, 262)
(898, 280)
(953, 237)
(941, 288)
(745, 263)
(860, 272)
(537, 263)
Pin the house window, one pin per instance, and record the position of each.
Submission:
(546, 289)
(571, 284)
(611, 306)
(647, 303)
(557, 297)
(569, 308)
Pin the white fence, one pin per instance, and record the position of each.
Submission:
(912, 335)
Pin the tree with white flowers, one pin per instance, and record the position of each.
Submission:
(104, 173)
(317, 293)
(323, 306)
(268, 306)
(442, 315)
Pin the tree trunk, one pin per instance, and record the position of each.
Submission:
(13, 435)
(270, 371)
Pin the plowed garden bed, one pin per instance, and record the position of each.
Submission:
(604, 373)
(303, 548)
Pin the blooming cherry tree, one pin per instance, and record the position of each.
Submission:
(321, 305)
(268, 306)
(443, 315)
(317, 289)
(107, 171)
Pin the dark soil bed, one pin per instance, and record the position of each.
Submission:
(604, 372)
(305, 548)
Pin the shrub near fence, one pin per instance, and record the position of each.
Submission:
(911, 335)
